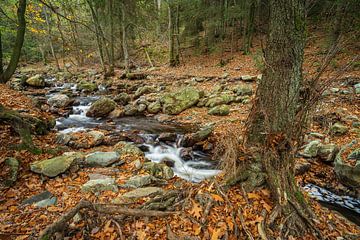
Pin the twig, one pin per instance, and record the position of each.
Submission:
(121, 236)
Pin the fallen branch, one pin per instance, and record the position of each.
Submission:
(59, 225)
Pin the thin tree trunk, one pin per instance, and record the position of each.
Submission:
(112, 38)
(124, 38)
(273, 121)
(19, 41)
(1, 57)
(50, 39)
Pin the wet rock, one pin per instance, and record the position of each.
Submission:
(87, 87)
(221, 110)
(100, 185)
(124, 148)
(55, 166)
(338, 129)
(223, 98)
(167, 137)
(117, 113)
(154, 107)
(348, 175)
(140, 181)
(46, 195)
(159, 170)
(36, 81)
(101, 159)
(122, 99)
(101, 108)
(312, 148)
(144, 90)
(168, 162)
(186, 153)
(192, 138)
(59, 101)
(175, 103)
(327, 152)
(143, 192)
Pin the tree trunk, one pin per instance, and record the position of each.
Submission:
(124, 38)
(50, 39)
(1, 57)
(20, 34)
(273, 119)
(112, 38)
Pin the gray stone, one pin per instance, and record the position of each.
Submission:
(355, 155)
(243, 90)
(54, 166)
(140, 181)
(221, 110)
(348, 175)
(36, 81)
(248, 78)
(159, 170)
(131, 110)
(46, 202)
(154, 107)
(59, 101)
(312, 148)
(316, 135)
(143, 192)
(101, 108)
(101, 159)
(99, 185)
(97, 137)
(144, 90)
(62, 138)
(125, 148)
(175, 103)
(327, 152)
(87, 87)
(37, 198)
(191, 139)
(223, 98)
(357, 88)
(338, 129)
(122, 99)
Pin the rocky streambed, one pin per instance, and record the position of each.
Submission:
(137, 123)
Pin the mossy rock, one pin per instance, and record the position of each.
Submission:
(101, 108)
(221, 110)
(223, 98)
(87, 87)
(175, 103)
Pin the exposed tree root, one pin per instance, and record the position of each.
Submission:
(111, 209)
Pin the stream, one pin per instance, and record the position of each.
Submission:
(196, 167)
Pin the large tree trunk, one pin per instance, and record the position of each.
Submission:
(273, 120)
(20, 34)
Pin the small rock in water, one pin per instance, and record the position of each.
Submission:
(59, 101)
(101, 108)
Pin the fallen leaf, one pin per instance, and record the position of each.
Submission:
(196, 210)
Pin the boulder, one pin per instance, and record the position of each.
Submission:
(327, 152)
(101, 108)
(348, 175)
(154, 107)
(312, 148)
(83, 140)
(143, 192)
(338, 129)
(175, 103)
(125, 148)
(131, 110)
(59, 101)
(99, 185)
(122, 99)
(55, 166)
(144, 90)
(140, 181)
(243, 90)
(36, 81)
(117, 113)
(87, 87)
(191, 139)
(223, 98)
(221, 110)
(101, 159)
(159, 170)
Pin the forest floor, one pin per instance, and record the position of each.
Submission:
(205, 210)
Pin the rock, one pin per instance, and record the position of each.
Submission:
(175, 103)
(101, 159)
(137, 164)
(312, 148)
(124, 148)
(41, 197)
(59, 101)
(167, 137)
(99, 185)
(248, 78)
(141, 108)
(154, 107)
(46, 202)
(168, 162)
(327, 152)
(143, 192)
(357, 88)
(317, 135)
(131, 110)
(144, 90)
(54, 166)
(101, 108)
(243, 90)
(223, 98)
(193, 138)
(159, 170)
(87, 87)
(338, 129)
(36, 81)
(221, 110)
(122, 99)
(348, 175)
(117, 113)
(186, 153)
(86, 140)
(302, 167)
(355, 155)
(140, 181)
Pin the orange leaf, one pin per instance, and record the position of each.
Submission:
(196, 210)
(217, 198)
(253, 196)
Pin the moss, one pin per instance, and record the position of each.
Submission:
(299, 196)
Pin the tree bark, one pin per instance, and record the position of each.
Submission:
(124, 37)
(50, 39)
(19, 41)
(273, 119)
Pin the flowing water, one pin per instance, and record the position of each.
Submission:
(197, 168)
